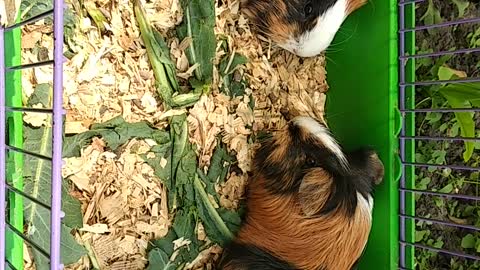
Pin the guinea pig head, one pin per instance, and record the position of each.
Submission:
(303, 27)
(305, 156)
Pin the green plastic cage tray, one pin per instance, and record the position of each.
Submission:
(361, 109)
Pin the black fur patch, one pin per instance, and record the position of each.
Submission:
(296, 12)
(248, 257)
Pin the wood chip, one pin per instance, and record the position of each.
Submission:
(124, 205)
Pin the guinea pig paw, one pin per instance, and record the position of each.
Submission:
(378, 168)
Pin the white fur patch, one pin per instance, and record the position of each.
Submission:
(321, 36)
(323, 135)
(365, 205)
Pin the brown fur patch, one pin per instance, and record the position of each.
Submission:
(268, 17)
(353, 5)
(280, 31)
(282, 141)
(277, 223)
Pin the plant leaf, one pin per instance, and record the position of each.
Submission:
(419, 235)
(468, 241)
(446, 73)
(198, 24)
(215, 227)
(461, 6)
(219, 166)
(463, 91)
(432, 15)
(70, 250)
(158, 260)
(462, 96)
(115, 133)
(446, 189)
(159, 56)
(229, 63)
(37, 184)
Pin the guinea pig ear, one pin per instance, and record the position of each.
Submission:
(353, 5)
(314, 191)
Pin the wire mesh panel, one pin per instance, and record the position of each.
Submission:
(24, 202)
(439, 143)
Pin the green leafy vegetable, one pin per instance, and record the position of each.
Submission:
(190, 193)
(232, 85)
(229, 63)
(175, 163)
(158, 260)
(219, 168)
(37, 183)
(31, 8)
(163, 68)
(198, 25)
(116, 132)
(159, 56)
(216, 228)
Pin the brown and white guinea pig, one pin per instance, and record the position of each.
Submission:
(303, 27)
(309, 203)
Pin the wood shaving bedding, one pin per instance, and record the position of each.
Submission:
(123, 203)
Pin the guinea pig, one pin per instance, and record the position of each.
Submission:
(308, 203)
(303, 27)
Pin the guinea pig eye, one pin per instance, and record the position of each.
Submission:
(308, 9)
(311, 162)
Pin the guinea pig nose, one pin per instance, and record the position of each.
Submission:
(378, 168)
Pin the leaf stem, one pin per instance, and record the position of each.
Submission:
(211, 210)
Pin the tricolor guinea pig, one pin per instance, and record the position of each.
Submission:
(303, 27)
(309, 203)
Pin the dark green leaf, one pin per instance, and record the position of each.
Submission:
(231, 219)
(162, 151)
(72, 208)
(184, 224)
(166, 243)
(215, 227)
(228, 63)
(158, 260)
(41, 95)
(115, 133)
(219, 164)
(159, 56)
(37, 183)
(198, 24)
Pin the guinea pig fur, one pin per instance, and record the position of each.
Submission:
(303, 27)
(309, 204)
